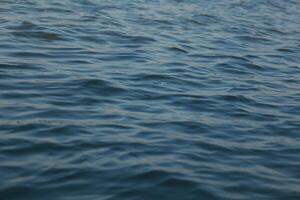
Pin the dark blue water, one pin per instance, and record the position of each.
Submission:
(149, 100)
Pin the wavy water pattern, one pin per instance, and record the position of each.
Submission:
(149, 100)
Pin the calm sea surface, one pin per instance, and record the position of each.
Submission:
(149, 100)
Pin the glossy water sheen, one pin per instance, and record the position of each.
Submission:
(149, 100)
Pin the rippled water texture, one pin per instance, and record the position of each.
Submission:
(149, 100)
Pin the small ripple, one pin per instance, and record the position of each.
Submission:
(255, 39)
(177, 50)
(25, 26)
(40, 35)
(96, 85)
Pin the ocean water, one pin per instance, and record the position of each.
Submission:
(149, 100)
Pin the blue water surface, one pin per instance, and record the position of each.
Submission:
(149, 99)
